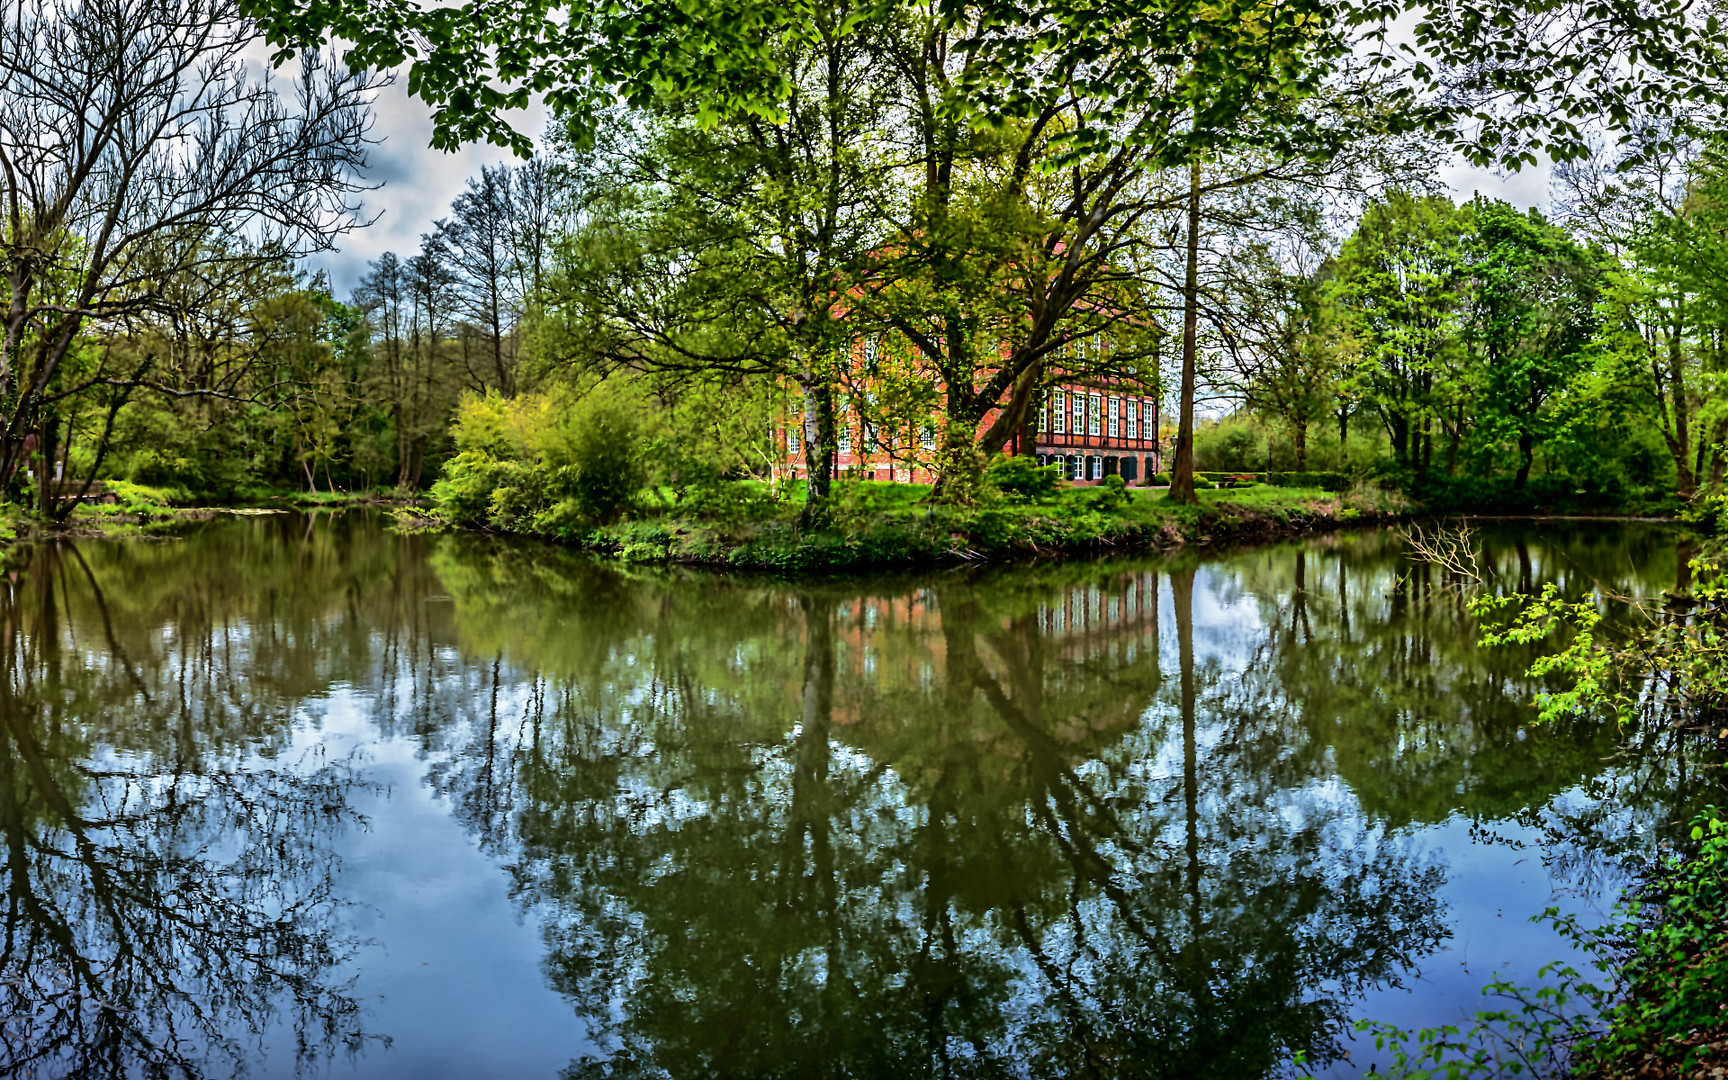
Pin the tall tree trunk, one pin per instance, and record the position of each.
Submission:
(1301, 427)
(1457, 439)
(819, 444)
(960, 461)
(45, 468)
(1681, 444)
(1182, 467)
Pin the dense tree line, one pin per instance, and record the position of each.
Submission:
(990, 187)
(902, 220)
(1482, 345)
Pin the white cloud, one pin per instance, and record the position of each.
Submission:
(418, 183)
(1525, 189)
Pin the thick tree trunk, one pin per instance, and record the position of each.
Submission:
(1680, 445)
(1018, 416)
(1526, 456)
(961, 464)
(1182, 466)
(1029, 423)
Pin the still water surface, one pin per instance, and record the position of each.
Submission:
(296, 794)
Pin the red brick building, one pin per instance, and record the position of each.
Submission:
(1099, 428)
(1093, 428)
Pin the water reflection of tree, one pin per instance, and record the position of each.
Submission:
(166, 901)
(924, 832)
(1424, 724)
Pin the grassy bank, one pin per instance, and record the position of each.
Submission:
(885, 526)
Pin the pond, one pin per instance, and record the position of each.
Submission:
(296, 794)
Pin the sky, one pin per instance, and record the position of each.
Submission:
(418, 183)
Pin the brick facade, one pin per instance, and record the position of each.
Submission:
(1094, 429)
(1099, 429)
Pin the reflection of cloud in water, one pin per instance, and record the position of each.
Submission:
(1137, 818)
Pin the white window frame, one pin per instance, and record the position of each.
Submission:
(792, 443)
(1111, 410)
(1094, 414)
(1059, 412)
(1078, 424)
(1148, 419)
(1133, 419)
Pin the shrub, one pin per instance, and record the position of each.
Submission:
(520, 460)
(604, 469)
(1020, 477)
(145, 501)
(519, 494)
(464, 492)
(1326, 481)
(1111, 493)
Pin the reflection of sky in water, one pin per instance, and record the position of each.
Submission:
(464, 896)
(452, 969)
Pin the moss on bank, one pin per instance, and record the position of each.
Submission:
(884, 526)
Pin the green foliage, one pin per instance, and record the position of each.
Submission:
(142, 500)
(464, 492)
(1530, 298)
(1022, 478)
(1110, 495)
(1588, 667)
(1671, 999)
(600, 457)
(543, 463)
(1328, 481)
(1397, 283)
(1675, 662)
(1234, 444)
(1661, 1011)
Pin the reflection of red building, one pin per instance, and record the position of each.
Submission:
(901, 641)
(1093, 428)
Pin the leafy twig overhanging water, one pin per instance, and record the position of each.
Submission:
(1657, 1003)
